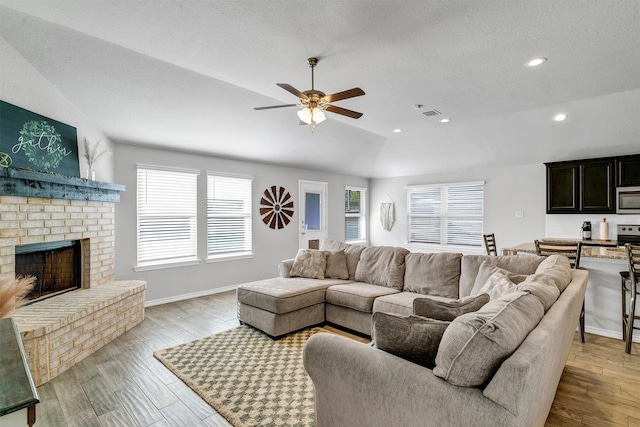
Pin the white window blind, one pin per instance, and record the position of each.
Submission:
(167, 216)
(449, 214)
(354, 211)
(228, 215)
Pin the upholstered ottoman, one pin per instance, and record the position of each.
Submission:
(282, 305)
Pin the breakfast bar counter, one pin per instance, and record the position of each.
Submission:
(603, 314)
(589, 250)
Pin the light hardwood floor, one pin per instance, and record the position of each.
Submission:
(124, 385)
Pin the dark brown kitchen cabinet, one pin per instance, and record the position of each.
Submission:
(628, 171)
(562, 187)
(585, 186)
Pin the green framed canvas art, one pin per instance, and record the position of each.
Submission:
(34, 142)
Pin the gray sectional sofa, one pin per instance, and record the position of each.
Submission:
(497, 366)
(377, 278)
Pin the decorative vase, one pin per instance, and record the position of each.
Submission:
(90, 174)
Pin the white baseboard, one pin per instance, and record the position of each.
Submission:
(610, 334)
(189, 296)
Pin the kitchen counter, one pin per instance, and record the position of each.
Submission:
(588, 251)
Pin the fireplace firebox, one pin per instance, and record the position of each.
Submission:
(56, 266)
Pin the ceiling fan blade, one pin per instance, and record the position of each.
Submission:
(343, 111)
(351, 93)
(275, 106)
(292, 90)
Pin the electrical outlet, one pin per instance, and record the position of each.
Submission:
(519, 214)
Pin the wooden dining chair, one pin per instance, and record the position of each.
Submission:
(490, 244)
(630, 281)
(571, 250)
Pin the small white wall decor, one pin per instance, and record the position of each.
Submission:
(387, 215)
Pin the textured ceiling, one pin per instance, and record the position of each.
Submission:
(187, 74)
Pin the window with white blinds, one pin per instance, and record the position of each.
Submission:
(355, 226)
(228, 216)
(447, 214)
(167, 216)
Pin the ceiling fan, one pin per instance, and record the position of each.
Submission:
(316, 102)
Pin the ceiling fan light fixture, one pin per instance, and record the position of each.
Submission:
(306, 115)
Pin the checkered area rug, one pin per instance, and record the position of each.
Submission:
(249, 378)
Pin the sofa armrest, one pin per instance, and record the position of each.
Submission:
(359, 385)
(284, 267)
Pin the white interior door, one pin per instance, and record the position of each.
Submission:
(313, 212)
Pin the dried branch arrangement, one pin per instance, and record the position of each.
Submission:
(93, 151)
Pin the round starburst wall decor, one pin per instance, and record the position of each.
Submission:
(276, 207)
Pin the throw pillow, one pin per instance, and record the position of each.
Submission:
(557, 269)
(382, 265)
(413, 338)
(485, 271)
(497, 285)
(352, 251)
(433, 274)
(448, 310)
(309, 263)
(336, 265)
(475, 344)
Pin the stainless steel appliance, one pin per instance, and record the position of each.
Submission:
(628, 233)
(628, 200)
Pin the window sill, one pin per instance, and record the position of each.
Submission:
(426, 247)
(357, 242)
(166, 265)
(230, 257)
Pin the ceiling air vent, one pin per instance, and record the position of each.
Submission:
(431, 113)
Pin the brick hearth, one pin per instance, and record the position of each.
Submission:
(59, 332)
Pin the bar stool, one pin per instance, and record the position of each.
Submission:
(630, 281)
(490, 244)
(571, 250)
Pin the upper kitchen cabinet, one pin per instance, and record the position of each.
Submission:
(628, 171)
(597, 186)
(562, 187)
(584, 186)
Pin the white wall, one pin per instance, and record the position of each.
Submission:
(270, 246)
(507, 190)
(24, 86)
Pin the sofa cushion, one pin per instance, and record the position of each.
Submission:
(352, 251)
(401, 302)
(332, 245)
(433, 274)
(413, 338)
(336, 265)
(309, 263)
(382, 265)
(357, 296)
(556, 269)
(281, 295)
(522, 264)
(546, 292)
(487, 269)
(475, 344)
(448, 310)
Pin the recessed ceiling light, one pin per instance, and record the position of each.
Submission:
(445, 120)
(560, 117)
(397, 130)
(536, 61)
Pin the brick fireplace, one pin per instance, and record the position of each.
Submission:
(39, 209)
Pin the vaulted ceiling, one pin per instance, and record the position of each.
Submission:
(187, 74)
